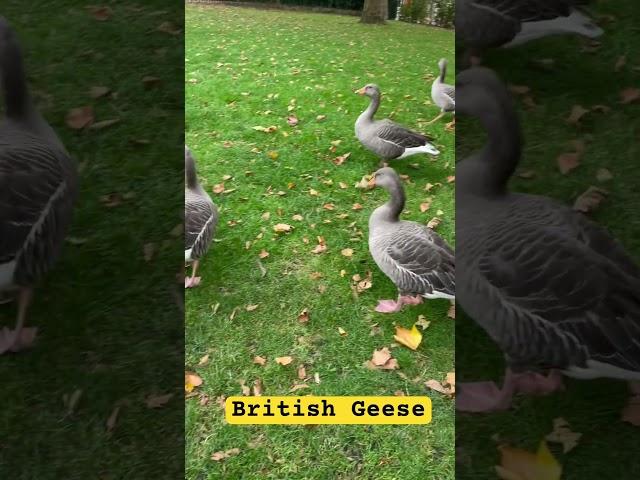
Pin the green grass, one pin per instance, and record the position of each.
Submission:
(244, 68)
(590, 407)
(107, 321)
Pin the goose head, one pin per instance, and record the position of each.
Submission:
(442, 64)
(370, 90)
(386, 178)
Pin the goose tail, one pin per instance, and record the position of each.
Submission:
(577, 23)
(428, 148)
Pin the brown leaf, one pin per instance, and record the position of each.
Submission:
(263, 253)
(451, 313)
(303, 317)
(590, 199)
(298, 386)
(203, 360)
(292, 120)
(425, 206)
(218, 188)
(433, 223)
(79, 118)
(282, 228)
(341, 159)
(577, 112)
(99, 91)
(113, 418)
(629, 95)
(562, 434)
(603, 175)
(519, 89)
(251, 308)
(347, 252)
(168, 27)
(284, 361)
(219, 456)
(258, 360)
(191, 381)
(302, 372)
(157, 401)
(257, 387)
(451, 178)
(568, 161)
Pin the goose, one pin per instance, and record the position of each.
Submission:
(443, 94)
(484, 24)
(385, 138)
(38, 187)
(556, 292)
(201, 218)
(416, 259)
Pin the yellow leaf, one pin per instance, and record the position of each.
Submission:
(342, 331)
(408, 338)
(518, 464)
(191, 381)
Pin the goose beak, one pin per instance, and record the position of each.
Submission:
(372, 182)
(360, 91)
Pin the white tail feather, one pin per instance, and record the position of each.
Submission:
(577, 23)
(428, 148)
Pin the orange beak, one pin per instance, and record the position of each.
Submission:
(372, 182)
(360, 91)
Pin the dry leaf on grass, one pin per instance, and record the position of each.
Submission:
(577, 112)
(257, 387)
(629, 95)
(302, 372)
(568, 161)
(71, 401)
(447, 387)
(347, 252)
(451, 313)
(251, 308)
(282, 228)
(433, 223)
(191, 381)
(303, 316)
(517, 464)
(342, 331)
(99, 91)
(382, 360)
(219, 456)
(562, 434)
(590, 199)
(284, 361)
(408, 338)
(423, 322)
(203, 360)
(259, 360)
(113, 418)
(157, 401)
(79, 118)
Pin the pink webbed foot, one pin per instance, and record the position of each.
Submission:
(10, 343)
(388, 306)
(406, 300)
(488, 397)
(191, 282)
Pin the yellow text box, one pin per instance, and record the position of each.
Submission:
(328, 410)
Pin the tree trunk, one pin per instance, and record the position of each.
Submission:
(375, 11)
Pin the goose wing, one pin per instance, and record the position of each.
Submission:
(201, 217)
(559, 293)
(398, 135)
(420, 261)
(37, 191)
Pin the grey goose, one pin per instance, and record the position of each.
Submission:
(200, 219)
(485, 24)
(387, 139)
(443, 94)
(416, 259)
(38, 186)
(554, 290)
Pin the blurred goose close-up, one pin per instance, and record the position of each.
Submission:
(416, 259)
(387, 139)
(556, 292)
(486, 24)
(38, 186)
(200, 219)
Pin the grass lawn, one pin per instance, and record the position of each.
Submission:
(247, 68)
(108, 325)
(587, 79)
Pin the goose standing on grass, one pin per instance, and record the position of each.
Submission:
(443, 95)
(38, 186)
(200, 219)
(484, 24)
(385, 138)
(554, 290)
(413, 256)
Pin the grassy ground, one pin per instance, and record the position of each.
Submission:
(108, 324)
(249, 68)
(588, 79)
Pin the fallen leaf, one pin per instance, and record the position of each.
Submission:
(517, 464)
(219, 456)
(425, 206)
(273, 155)
(292, 120)
(282, 228)
(204, 360)
(320, 118)
(451, 313)
(519, 89)
(590, 199)
(408, 338)
(257, 387)
(423, 322)
(148, 251)
(218, 188)
(437, 386)
(258, 360)
(347, 252)
(568, 161)
(382, 360)
(341, 159)
(263, 253)
(303, 317)
(433, 223)
(168, 27)
(157, 401)
(357, 206)
(577, 112)
(99, 91)
(149, 81)
(302, 372)
(603, 175)
(451, 178)
(342, 331)
(298, 386)
(269, 129)
(629, 95)
(113, 418)
(251, 308)
(191, 381)
(297, 217)
(562, 434)
(79, 118)
(284, 361)
(71, 401)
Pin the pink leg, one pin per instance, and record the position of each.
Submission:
(192, 281)
(20, 338)
(407, 300)
(488, 397)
